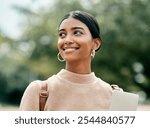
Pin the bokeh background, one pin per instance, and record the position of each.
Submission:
(28, 44)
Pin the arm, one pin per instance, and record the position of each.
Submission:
(30, 99)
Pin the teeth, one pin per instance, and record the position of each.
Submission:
(69, 48)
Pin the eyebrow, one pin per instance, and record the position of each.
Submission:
(73, 28)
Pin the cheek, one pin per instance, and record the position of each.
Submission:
(59, 44)
(86, 48)
(87, 43)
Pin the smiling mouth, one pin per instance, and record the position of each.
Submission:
(70, 48)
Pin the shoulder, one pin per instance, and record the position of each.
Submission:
(30, 97)
(34, 85)
(33, 88)
(111, 86)
(53, 80)
(103, 83)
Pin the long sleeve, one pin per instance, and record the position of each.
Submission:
(30, 99)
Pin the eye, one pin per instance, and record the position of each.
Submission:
(78, 33)
(62, 34)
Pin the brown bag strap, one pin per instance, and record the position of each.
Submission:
(43, 95)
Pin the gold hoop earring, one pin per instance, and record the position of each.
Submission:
(59, 57)
(93, 53)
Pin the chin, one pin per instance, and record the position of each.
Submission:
(68, 59)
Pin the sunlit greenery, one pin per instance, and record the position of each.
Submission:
(123, 58)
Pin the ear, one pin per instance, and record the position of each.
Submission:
(97, 43)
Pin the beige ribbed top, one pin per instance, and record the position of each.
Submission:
(69, 92)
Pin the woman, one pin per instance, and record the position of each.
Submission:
(75, 88)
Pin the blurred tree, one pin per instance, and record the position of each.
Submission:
(126, 44)
(123, 59)
(41, 36)
(12, 76)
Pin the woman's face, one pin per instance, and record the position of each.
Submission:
(75, 41)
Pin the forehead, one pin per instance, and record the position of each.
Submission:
(71, 23)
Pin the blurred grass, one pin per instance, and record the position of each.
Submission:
(4, 107)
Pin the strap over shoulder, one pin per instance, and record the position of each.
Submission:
(43, 95)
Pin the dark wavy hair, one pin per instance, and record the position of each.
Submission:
(88, 19)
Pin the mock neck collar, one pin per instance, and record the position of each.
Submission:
(77, 78)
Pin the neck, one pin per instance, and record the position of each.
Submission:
(78, 67)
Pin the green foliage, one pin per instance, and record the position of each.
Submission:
(123, 58)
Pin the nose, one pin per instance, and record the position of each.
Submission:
(68, 39)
